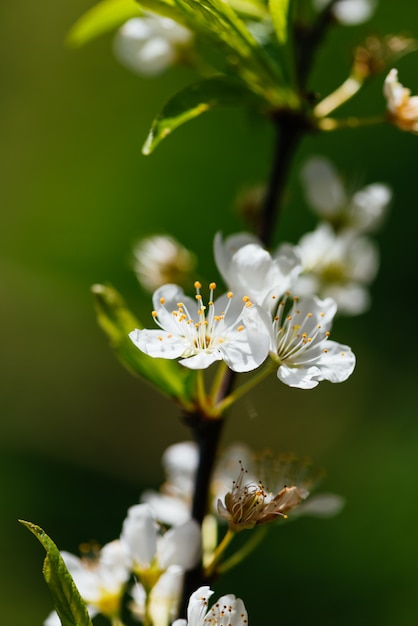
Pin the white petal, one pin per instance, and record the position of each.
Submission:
(337, 364)
(323, 187)
(139, 533)
(197, 607)
(202, 360)
(165, 596)
(352, 12)
(181, 458)
(224, 250)
(180, 546)
(158, 343)
(168, 509)
(369, 205)
(302, 378)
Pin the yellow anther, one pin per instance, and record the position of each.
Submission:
(327, 334)
(248, 304)
(245, 299)
(162, 300)
(198, 296)
(309, 315)
(276, 318)
(297, 312)
(273, 297)
(322, 314)
(180, 305)
(309, 338)
(212, 286)
(296, 298)
(175, 313)
(319, 326)
(197, 285)
(289, 317)
(210, 303)
(325, 350)
(169, 336)
(240, 328)
(342, 353)
(154, 314)
(160, 338)
(229, 294)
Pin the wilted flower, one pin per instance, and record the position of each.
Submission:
(148, 45)
(228, 611)
(362, 210)
(252, 502)
(248, 269)
(338, 265)
(377, 53)
(300, 345)
(161, 259)
(201, 334)
(402, 107)
(349, 12)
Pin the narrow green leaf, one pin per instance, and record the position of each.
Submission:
(279, 11)
(194, 100)
(117, 322)
(103, 17)
(68, 603)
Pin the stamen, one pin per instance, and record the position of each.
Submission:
(162, 300)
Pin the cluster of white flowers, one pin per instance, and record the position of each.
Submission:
(339, 259)
(257, 318)
(158, 561)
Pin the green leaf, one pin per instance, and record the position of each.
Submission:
(217, 20)
(103, 17)
(117, 322)
(68, 603)
(194, 100)
(279, 11)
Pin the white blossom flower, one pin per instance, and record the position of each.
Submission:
(402, 107)
(349, 12)
(362, 210)
(161, 259)
(100, 580)
(248, 269)
(201, 334)
(300, 343)
(228, 610)
(164, 598)
(148, 45)
(149, 548)
(338, 265)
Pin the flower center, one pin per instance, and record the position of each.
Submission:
(295, 331)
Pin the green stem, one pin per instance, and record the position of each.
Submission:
(211, 567)
(256, 538)
(329, 123)
(245, 387)
(338, 97)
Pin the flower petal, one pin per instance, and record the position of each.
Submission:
(158, 343)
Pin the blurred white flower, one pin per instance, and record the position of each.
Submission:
(228, 610)
(200, 334)
(149, 548)
(300, 346)
(349, 12)
(161, 259)
(363, 210)
(164, 598)
(248, 269)
(150, 44)
(402, 107)
(100, 580)
(338, 265)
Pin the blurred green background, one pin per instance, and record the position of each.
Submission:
(79, 438)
